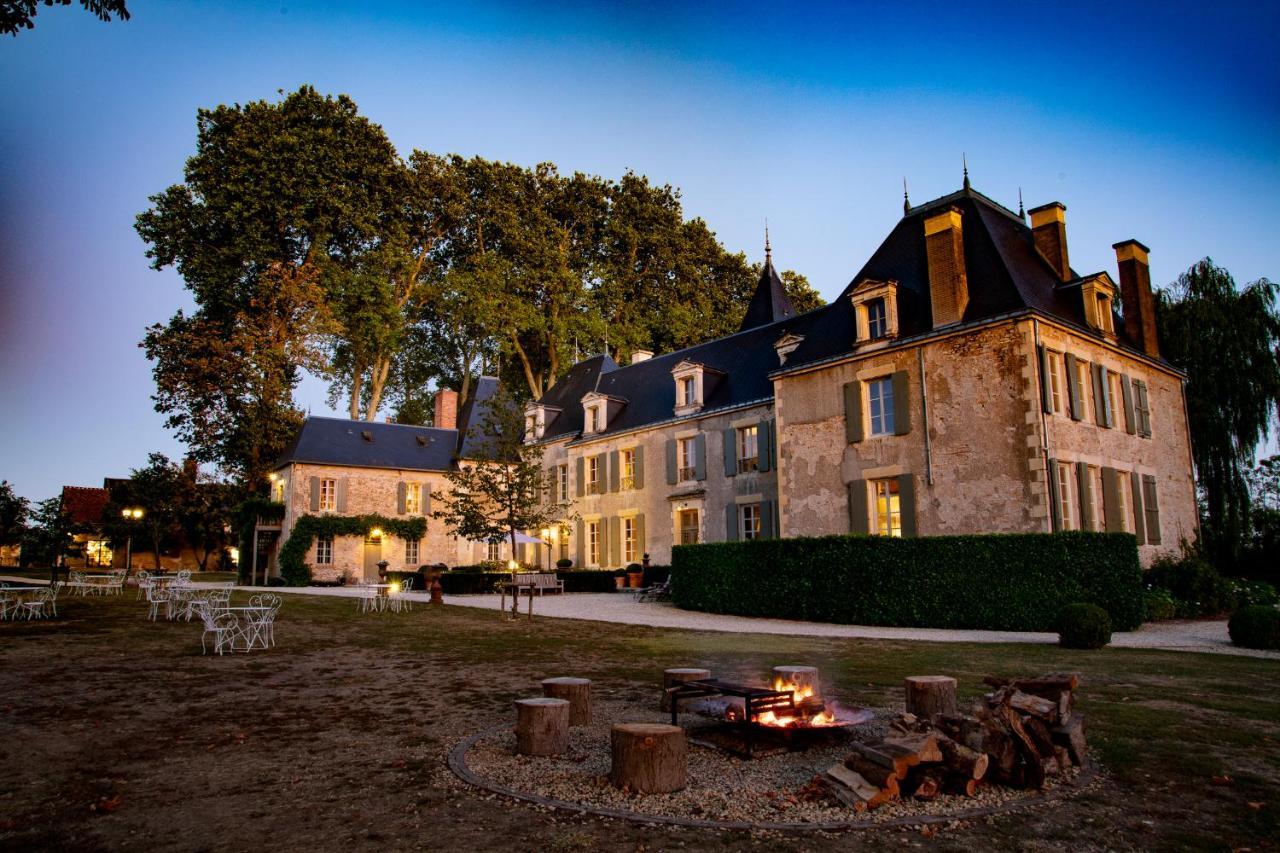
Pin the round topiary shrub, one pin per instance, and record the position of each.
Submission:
(1255, 627)
(564, 563)
(1083, 626)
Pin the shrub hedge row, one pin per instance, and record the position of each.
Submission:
(472, 583)
(1011, 582)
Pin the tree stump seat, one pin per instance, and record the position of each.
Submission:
(542, 726)
(648, 758)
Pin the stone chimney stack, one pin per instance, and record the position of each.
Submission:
(641, 355)
(948, 282)
(1049, 228)
(446, 409)
(1135, 294)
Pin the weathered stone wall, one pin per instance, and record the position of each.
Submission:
(657, 500)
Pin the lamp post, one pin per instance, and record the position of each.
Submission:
(130, 514)
(546, 542)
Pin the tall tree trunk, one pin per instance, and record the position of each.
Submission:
(535, 384)
(381, 367)
(357, 385)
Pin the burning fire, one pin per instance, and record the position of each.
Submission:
(801, 694)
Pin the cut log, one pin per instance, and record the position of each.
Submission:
(960, 786)
(672, 677)
(960, 760)
(542, 726)
(1045, 709)
(923, 746)
(1033, 776)
(923, 783)
(842, 793)
(578, 693)
(883, 778)
(1039, 733)
(800, 680)
(859, 792)
(928, 695)
(1072, 737)
(1002, 754)
(648, 758)
(896, 764)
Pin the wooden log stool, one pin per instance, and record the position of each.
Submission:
(672, 677)
(797, 678)
(542, 726)
(578, 693)
(931, 694)
(648, 758)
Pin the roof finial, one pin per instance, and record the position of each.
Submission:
(768, 252)
(906, 202)
(1022, 213)
(606, 338)
(965, 160)
(577, 355)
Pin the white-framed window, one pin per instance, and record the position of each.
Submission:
(1124, 501)
(1066, 496)
(324, 550)
(562, 477)
(1098, 498)
(749, 521)
(328, 495)
(412, 498)
(277, 490)
(627, 462)
(530, 427)
(688, 524)
(493, 551)
(880, 404)
(688, 395)
(593, 543)
(1105, 322)
(888, 507)
(411, 552)
(593, 419)
(688, 456)
(566, 532)
(629, 540)
(877, 319)
(1053, 367)
(593, 475)
(748, 452)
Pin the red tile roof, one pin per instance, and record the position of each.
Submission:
(84, 504)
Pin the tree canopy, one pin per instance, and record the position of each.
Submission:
(17, 15)
(1227, 339)
(13, 515)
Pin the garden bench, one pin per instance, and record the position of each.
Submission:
(540, 582)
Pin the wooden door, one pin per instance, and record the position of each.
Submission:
(372, 556)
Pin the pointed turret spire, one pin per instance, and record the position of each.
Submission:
(770, 302)
(1022, 213)
(965, 160)
(906, 202)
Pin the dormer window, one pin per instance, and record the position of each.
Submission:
(598, 411)
(1098, 292)
(593, 419)
(691, 379)
(1104, 314)
(536, 418)
(786, 345)
(688, 392)
(875, 309)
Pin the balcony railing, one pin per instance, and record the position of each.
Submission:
(688, 473)
(593, 488)
(748, 466)
(627, 483)
(689, 536)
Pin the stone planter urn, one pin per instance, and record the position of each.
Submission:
(382, 570)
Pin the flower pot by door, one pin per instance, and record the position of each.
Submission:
(619, 581)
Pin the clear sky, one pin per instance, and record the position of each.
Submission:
(1160, 123)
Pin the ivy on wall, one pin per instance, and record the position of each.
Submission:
(247, 515)
(294, 569)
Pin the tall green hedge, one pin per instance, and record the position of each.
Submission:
(1010, 582)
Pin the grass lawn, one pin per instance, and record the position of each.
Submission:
(116, 734)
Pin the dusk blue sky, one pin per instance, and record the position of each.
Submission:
(1159, 122)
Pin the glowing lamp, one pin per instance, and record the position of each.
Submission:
(512, 565)
(375, 533)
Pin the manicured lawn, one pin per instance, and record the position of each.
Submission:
(116, 733)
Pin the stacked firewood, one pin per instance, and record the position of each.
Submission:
(1008, 739)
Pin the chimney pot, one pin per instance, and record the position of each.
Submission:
(1049, 229)
(1135, 294)
(446, 409)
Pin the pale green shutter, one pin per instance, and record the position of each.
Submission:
(853, 411)
(672, 473)
(859, 518)
(767, 510)
(1126, 391)
(1096, 376)
(1074, 392)
(582, 476)
(638, 460)
(764, 444)
(614, 475)
(615, 541)
(1046, 388)
(641, 547)
(580, 538)
(1084, 489)
(901, 403)
(1111, 500)
(730, 452)
(1055, 505)
(315, 494)
(401, 492)
(907, 504)
(1139, 520)
(730, 522)
(700, 456)
(342, 494)
(1152, 508)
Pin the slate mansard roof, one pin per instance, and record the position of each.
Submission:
(1006, 274)
(342, 441)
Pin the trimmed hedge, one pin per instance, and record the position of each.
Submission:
(476, 583)
(1009, 582)
(1255, 627)
(1083, 626)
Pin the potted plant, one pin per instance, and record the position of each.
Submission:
(635, 575)
(620, 579)
(564, 564)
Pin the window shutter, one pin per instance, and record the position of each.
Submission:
(1046, 388)
(1152, 505)
(1144, 409)
(580, 539)
(641, 548)
(1097, 374)
(1126, 391)
(582, 476)
(907, 504)
(730, 451)
(671, 462)
(424, 498)
(1111, 500)
(342, 494)
(730, 522)
(615, 541)
(764, 444)
(766, 520)
(315, 494)
(1074, 391)
(1139, 516)
(773, 442)
(1084, 490)
(615, 476)
(859, 521)
(402, 491)
(1055, 505)
(700, 456)
(638, 458)
(853, 411)
(901, 403)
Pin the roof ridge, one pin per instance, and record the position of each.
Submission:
(375, 423)
(965, 193)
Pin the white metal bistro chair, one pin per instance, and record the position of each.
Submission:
(369, 601)
(37, 606)
(223, 625)
(144, 583)
(158, 598)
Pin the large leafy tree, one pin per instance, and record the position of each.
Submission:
(14, 510)
(160, 490)
(1227, 339)
(17, 15)
(49, 536)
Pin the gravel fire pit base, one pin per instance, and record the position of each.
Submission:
(724, 792)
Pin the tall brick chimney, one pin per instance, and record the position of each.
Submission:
(446, 409)
(948, 283)
(1135, 294)
(1049, 228)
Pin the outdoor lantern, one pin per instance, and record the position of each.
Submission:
(375, 533)
(512, 565)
